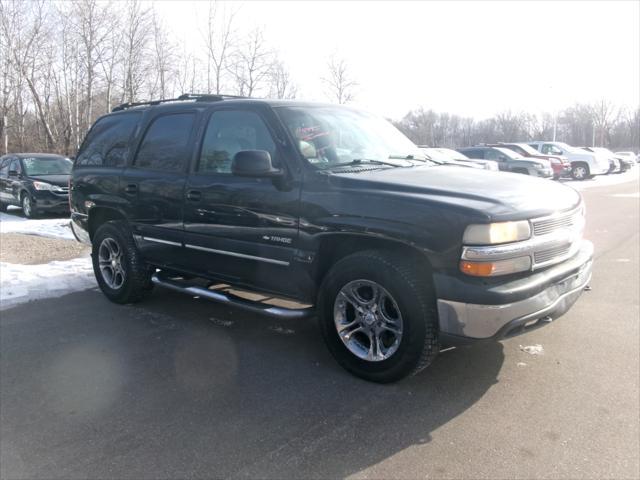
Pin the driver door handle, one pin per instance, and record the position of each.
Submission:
(194, 195)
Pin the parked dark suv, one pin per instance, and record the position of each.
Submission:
(37, 182)
(331, 207)
(560, 165)
(510, 161)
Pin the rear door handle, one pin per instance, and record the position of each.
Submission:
(131, 189)
(194, 195)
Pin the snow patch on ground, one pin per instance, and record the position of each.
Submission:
(45, 227)
(23, 283)
(533, 349)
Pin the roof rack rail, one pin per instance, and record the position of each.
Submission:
(198, 97)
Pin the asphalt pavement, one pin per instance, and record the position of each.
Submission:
(177, 387)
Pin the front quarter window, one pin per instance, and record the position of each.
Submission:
(328, 136)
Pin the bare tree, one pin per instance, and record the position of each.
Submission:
(90, 20)
(23, 45)
(252, 64)
(110, 55)
(339, 80)
(163, 59)
(218, 40)
(137, 28)
(281, 85)
(603, 114)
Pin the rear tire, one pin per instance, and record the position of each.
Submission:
(405, 297)
(3, 207)
(119, 269)
(580, 171)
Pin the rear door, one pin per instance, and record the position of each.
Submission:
(241, 229)
(153, 186)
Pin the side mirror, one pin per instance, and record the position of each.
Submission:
(254, 163)
(13, 173)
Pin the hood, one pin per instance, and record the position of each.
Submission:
(490, 195)
(59, 180)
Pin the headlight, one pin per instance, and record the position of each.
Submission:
(498, 267)
(494, 233)
(43, 186)
(47, 186)
(538, 165)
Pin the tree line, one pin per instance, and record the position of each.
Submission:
(63, 64)
(599, 124)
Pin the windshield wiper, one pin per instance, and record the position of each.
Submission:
(423, 159)
(359, 161)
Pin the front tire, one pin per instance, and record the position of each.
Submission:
(28, 209)
(377, 315)
(580, 171)
(121, 273)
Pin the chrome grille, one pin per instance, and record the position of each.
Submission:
(545, 256)
(551, 224)
(566, 231)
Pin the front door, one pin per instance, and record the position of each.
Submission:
(244, 230)
(154, 185)
(4, 180)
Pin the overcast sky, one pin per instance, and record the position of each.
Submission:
(470, 58)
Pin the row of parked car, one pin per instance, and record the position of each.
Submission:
(539, 159)
(38, 182)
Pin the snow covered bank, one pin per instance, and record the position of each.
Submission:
(46, 227)
(23, 283)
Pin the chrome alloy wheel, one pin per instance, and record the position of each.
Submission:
(110, 262)
(368, 320)
(579, 173)
(26, 206)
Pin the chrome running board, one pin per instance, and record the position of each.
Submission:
(231, 299)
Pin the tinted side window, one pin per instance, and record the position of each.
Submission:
(107, 143)
(473, 153)
(15, 165)
(165, 145)
(230, 132)
(492, 155)
(4, 167)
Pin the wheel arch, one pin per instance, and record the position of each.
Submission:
(334, 247)
(100, 215)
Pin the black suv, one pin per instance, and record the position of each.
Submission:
(37, 182)
(510, 161)
(331, 207)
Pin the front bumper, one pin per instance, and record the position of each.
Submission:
(543, 172)
(548, 294)
(45, 201)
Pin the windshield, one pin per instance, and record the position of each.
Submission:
(530, 150)
(35, 166)
(331, 136)
(568, 148)
(510, 153)
(603, 150)
(444, 154)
